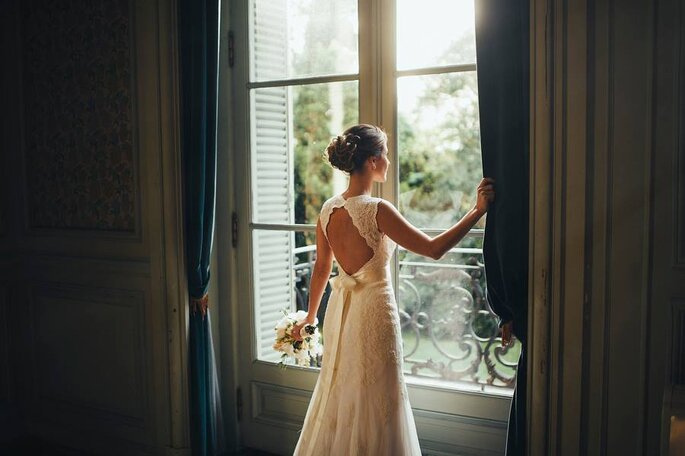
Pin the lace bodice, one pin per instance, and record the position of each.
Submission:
(362, 210)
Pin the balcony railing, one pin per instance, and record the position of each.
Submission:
(449, 331)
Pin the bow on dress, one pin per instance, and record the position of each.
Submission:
(344, 281)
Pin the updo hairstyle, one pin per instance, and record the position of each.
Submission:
(349, 151)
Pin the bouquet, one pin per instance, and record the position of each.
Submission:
(303, 351)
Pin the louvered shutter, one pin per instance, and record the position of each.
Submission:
(271, 175)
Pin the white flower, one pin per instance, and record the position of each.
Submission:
(288, 349)
(309, 346)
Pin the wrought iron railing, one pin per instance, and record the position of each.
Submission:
(449, 331)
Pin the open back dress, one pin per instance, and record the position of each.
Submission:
(360, 405)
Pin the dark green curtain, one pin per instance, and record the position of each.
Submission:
(198, 47)
(502, 56)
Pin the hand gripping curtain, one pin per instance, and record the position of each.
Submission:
(198, 46)
(502, 57)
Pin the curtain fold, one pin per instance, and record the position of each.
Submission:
(502, 56)
(198, 52)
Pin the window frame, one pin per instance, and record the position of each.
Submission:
(377, 78)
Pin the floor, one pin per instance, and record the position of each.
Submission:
(677, 440)
(30, 447)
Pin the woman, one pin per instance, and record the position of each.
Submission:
(360, 404)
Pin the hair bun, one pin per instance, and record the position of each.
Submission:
(352, 149)
(341, 151)
(352, 139)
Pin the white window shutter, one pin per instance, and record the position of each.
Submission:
(271, 176)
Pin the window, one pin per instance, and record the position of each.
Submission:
(449, 333)
(303, 87)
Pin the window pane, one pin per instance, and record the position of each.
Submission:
(299, 38)
(292, 127)
(448, 330)
(321, 111)
(439, 147)
(435, 33)
(273, 285)
(283, 264)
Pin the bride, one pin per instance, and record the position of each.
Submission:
(360, 405)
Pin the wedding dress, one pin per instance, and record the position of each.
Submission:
(360, 405)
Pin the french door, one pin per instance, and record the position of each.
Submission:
(304, 71)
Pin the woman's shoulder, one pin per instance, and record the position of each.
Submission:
(338, 200)
(384, 202)
(330, 201)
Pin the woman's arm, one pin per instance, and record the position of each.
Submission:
(320, 276)
(394, 225)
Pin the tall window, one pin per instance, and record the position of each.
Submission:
(303, 89)
(304, 82)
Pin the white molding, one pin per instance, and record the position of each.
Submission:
(224, 281)
(467, 435)
(665, 397)
(170, 451)
(539, 425)
(601, 281)
(174, 284)
(272, 406)
(302, 81)
(436, 70)
(282, 397)
(50, 264)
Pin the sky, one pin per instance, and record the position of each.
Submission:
(425, 28)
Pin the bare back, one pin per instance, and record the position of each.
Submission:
(351, 230)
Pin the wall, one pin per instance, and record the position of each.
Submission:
(91, 294)
(608, 205)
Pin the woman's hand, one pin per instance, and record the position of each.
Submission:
(506, 333)
(298, 327)
(486, 195)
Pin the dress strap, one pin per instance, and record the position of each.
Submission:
(363, 210)
(325, 215)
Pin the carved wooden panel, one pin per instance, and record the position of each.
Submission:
(444, 433)
(279, 405)
(78, 119)
(88, 349)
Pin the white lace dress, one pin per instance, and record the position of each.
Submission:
(360, 405)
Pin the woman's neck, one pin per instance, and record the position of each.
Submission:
(359, 185)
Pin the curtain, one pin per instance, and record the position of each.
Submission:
(502, 57)
(198, 48)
